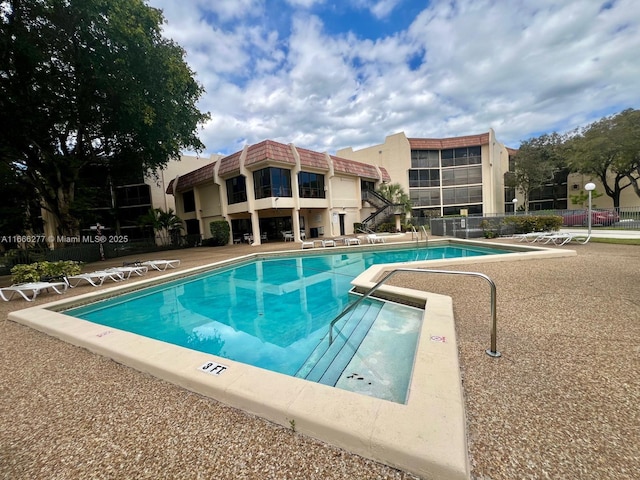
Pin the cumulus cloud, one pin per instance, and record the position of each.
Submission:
(293, 73)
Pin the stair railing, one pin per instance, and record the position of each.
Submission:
(492, 352)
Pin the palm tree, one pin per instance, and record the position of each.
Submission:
(396, 195)
(165, 224)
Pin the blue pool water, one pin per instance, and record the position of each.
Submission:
(270, 313)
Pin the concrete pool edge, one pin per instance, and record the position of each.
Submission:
(426, 436)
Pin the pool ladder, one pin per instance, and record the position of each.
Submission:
(418, 236)
(492, 352)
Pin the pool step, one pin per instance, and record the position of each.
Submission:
(328, 368)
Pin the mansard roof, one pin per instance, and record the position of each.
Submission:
(187, 181)
(453, 142)
(270, 152)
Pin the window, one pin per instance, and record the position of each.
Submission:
(456, 195)
(424, 178)
(425, 197)
(189, 201)
(366, 185)
(311, 185)
(425, 159)
(236, 190)
(133, 195)
(272, 182)
(461, 176)
(456, 157)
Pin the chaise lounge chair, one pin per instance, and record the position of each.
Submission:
(161, 265)
(373, 238)
(564, 238)
(95, 278)
(29, 291)
(126, 272)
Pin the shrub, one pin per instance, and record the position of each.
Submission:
(220, 233)
(534, 223)
(34, 272)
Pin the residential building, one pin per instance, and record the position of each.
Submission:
(270, 188)
(444, 176)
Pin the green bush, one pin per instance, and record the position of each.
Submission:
(34, 272)
(220, 233)
(534, 223)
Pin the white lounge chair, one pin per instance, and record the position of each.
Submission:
(530, 237)
(29, 291)
(564, 238)
(126, 272)
(307, 245)
(328, 243)
(352, 241)
(373, 238)
(161, 265)
(96, 278)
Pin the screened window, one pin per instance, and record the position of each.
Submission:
(311, 185)
(236, 190)
(425, 159)
(272, 182)
(425, 197)
(456, 157)
(424, 178)
(461, 176)
(460, 195)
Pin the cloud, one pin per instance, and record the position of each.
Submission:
(291, 73)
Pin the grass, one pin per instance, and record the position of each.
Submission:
(618, 241)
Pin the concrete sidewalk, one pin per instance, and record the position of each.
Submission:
(604, 233)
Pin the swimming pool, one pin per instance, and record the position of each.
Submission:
(274, 314)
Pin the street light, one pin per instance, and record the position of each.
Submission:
(515, 205)
(589, 187)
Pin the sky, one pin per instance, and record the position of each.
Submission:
(326, 75)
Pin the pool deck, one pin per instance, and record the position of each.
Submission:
(560, 403)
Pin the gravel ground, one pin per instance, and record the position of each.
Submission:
(561, 402)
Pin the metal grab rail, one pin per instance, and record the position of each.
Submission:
(492, 352)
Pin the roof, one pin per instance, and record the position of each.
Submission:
(352, 167)
(230, 164)
(269, 150)
(309, 158)
(188, 180)
(444, 143)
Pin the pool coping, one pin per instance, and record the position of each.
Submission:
(425, 436)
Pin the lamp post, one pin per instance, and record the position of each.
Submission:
(515, 206)
(589, 187)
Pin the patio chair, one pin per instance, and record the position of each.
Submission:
(126, 272)
(29, 291)
(328, 243)
(530, 237)
(95, 279)
(161, 265)
(373, 238)
(564, 238)
(288, 236)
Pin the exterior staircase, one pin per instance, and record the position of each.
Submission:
(384, 208)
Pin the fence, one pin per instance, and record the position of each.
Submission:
(624, 218)
(90, 252)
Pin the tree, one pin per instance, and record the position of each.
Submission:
(396, 195)
(608, 149)
(165, 224)
(90, 82)
(536, 162)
